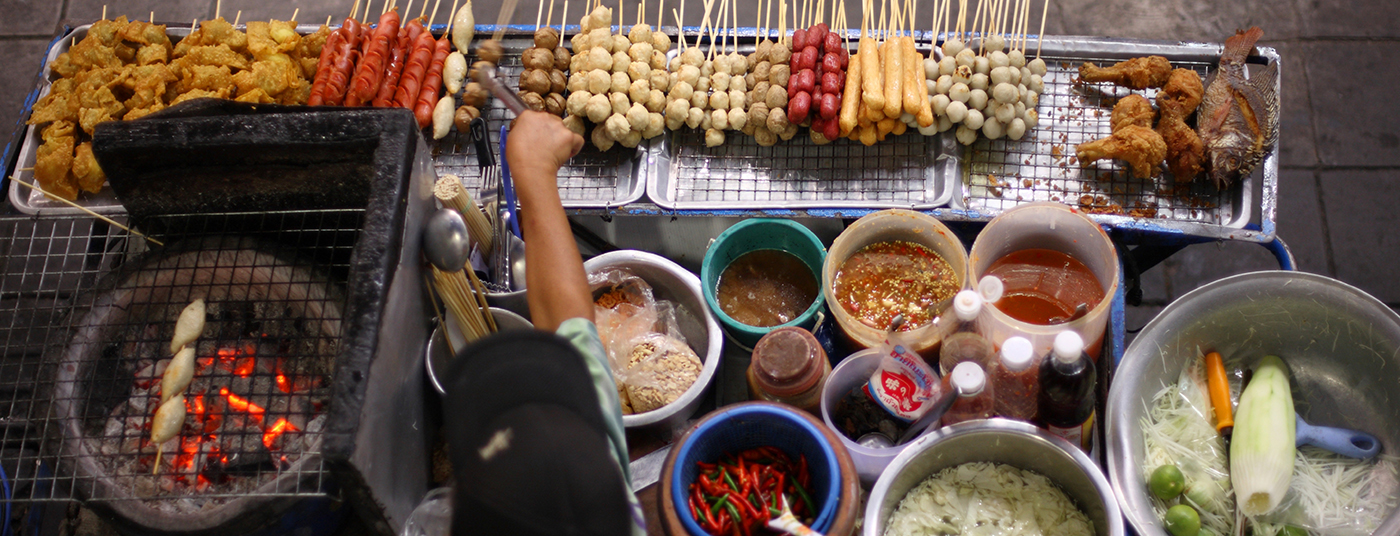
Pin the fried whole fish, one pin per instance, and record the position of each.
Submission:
(1238, 118)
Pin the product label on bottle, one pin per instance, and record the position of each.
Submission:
(903, 384)
(1082, 435)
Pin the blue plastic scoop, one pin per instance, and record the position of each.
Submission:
(1349, 443)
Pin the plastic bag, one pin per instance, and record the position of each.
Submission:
(650, 358)
(904, 384)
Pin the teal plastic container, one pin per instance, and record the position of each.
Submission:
(754, 235)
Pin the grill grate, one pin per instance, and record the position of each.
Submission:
(1042, 167)
(58, 271)
(592, 179)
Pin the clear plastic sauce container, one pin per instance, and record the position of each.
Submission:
(789, 366)
(966, 343)
(975, 397)
(1016, 380)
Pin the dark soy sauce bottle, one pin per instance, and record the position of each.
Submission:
(1068, 391)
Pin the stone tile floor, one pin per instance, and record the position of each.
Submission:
(1340, 178)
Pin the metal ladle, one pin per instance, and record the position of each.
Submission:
(446, 243)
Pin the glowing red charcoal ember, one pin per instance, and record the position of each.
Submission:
(242, 404)
(276, 431)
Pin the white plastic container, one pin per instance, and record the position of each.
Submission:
(849, 374)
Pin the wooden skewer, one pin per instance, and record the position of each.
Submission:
(364, 18)
(620, 19)
(1026, 27)
(86, 211)
(294, 14)
(239, 16)
(549, 18)
(480, 295)
(661, 13)
(1039, 37)
(507, 11)
(563, 20)
(219, 7)
(422, 10)
(104, 11)
(328, 21)
(447, 33)
(680, 30)
(539, 12)
(442, 319)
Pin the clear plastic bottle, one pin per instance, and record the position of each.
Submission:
(966, 343)
(1015, 381)
(1068, 391)
(975, 397)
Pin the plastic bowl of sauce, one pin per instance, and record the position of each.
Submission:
(1058, 270)
(760, 275)
(894, 262)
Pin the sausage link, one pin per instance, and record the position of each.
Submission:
(412, 78)
(323, 68)
(389, 82)
(345, 62)
(371, 68)
(432, 84)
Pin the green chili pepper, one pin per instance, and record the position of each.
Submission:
(730, 480)
(721, 503)
(806, 499)
(733, 512)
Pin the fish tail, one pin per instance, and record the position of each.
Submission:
(1237, 46)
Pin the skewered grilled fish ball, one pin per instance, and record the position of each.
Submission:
(707, 69)
(749, 127)
(660, 41)
(762, 70)
(599, 81)
(1005, 113)
(557, 82)
(620, 62)
(939, 103)
(660, 80)
(676, 110)
(966, 58)
(658, 59)
(719, 118)
(952, 47)
(1036, 84)
(581, 42)
(619, 82)
(780, 53)
(714, 137)
(947, 65)
(979, 81)
(777, 120)
(462, 118)
(631, 139)
(963, 75)
(640, 33)
(601, 139)
(1031, 119)
(973, 120)
(738, 83)
(538, 58)
(562, 58)
(719, 100)
(931, 86)
(722, 64)
(977, 99)
(788, 132)
(533, 101)
(702, 84)
(656, 124)
(995, 43)
(1037, 66)
(907, 118)
(479, 66)
(982, 65)
(738, 100)
(719, 81)
(474, 95)
(945, 124)
(688, 74)
(490, 51)
(966, 136)
(598, 59)
(760, 91)
(779, 74)
(1005, 92)
(762, 51)
(700, 99)
(554, 104)
(1000, 75)
(758, 114)
(617, 126)
(944, 84)
(639, 91)
(998, 58)
(656, 101)
(577, 103)
(619, 102)
(993, 129)
(692, 57)
(929, 130)
(598, 108)
(601, 38)
(639, 71)
(1030, 100)
(640, 52)
(694, 117)
(960, 93)
(535, 80)
(764, 137)
(576, 125)
(600, 17)
(682, 91)
(738, 63)
(776, 98)
(1017, 129)
(930, 69)
(674, 124)
(637, 117)
(1015, 77)
(707, 122)
(1017, 58)
(956, 111)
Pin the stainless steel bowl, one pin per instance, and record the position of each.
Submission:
(438, 355)
(1002, 441)
(1340, 345)
(671, 282)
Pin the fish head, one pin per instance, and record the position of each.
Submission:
(1227, 154)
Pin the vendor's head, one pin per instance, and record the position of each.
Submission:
(529, 446)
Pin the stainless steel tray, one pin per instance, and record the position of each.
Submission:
(909, 171)
(593, 179)
(1041, 167)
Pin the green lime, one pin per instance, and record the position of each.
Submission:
(1293, 530)
(1167, 482)
(1182, 520)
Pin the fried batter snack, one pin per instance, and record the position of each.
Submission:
(1136, 73)
(61, 104)
(54, 163)
(90, 177)
(220, 54)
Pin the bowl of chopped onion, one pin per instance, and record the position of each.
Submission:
(992, 476)
(1320, 352)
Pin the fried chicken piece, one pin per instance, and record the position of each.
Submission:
(53, 163)
(1185, 152)
(1184, 89)
(61, 104)
(1132, 110)
(1136, 73)
(89, 175)
(1141, 147)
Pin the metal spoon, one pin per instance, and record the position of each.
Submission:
(875, 440)
(517, 263)
(445, 240)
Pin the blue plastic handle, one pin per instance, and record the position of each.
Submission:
(1349, 443)
(508, 187)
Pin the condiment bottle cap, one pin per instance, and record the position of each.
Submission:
(991, 288)
(1016, 353)
(969, 378)
(788, 361)
(967, 305)
(1068, 346)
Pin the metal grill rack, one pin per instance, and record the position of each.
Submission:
(593, 179)
(57, 268)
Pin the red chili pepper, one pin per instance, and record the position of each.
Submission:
(705, 466)
(802, 471)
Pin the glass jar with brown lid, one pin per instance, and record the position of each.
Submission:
(789, 366)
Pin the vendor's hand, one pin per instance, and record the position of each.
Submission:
(539, 144)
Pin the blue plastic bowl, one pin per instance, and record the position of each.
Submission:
(745, 426)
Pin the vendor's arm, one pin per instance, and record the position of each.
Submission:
(537, 147)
